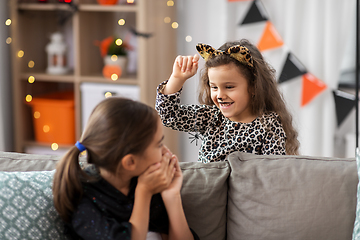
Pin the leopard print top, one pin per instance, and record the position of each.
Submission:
(221, 136)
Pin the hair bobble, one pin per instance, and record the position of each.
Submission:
(80, 146)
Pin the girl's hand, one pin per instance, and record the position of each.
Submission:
(158, 176)
(175, 186)
(184, 67)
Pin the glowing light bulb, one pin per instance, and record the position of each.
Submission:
(31, 79)
(20, 53)
(108, 94)
(113, 58)
(188, 38)
(118, 42)
(174, 25)
(37, 115)
(31, 64)
(114, 77)
(46, 128)
(170, 3)
(54, 146)
(28, 98)
(8, 40)
(130, 1)
(167, 20)
(8, 22)
(121, 22)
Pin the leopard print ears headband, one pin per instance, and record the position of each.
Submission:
(239, 52)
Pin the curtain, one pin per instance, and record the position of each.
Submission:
(5, 82)
(317, 32)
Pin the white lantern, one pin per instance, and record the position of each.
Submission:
(56, 51)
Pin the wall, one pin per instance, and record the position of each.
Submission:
(5, 82)
(309, 30)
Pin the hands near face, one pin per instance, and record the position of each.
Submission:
(165, 175)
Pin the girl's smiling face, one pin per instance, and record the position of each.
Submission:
(230, 92)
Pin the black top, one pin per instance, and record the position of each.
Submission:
(104, 213)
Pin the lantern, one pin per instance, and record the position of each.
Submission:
(56, 51)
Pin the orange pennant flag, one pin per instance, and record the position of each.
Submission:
(270, 38)
(311, 88)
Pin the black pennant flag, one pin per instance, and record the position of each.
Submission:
(292, 68)
(256, 13)
(344, 103)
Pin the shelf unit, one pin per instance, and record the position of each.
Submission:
(32, 24)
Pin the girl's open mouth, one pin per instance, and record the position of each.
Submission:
(225, 104)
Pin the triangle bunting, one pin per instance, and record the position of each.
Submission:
(311, 88)
(292, 68)
(256, 13)
(344, 103)
(270, 38)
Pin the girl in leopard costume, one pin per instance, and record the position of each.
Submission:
(241, 107)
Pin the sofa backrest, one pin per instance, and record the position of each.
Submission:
(291, 197)
(247, 197)
(204, 195)
(21, 162)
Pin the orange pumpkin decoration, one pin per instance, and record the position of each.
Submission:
(112, 72)
(104, 45)
(107, 2)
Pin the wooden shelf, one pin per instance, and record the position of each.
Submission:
(44, 7)
(110, 8)
(82, 7)
(82, 26)
(48, 77)
(39, 144)
(100, 79)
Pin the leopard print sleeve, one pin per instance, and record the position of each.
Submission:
(275, 137)
(187, 118)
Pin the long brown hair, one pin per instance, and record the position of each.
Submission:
(262, 86)
(116, 127)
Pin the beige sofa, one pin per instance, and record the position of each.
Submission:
(248, 197)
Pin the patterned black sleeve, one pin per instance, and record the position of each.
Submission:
(187, 118)
(275, 137)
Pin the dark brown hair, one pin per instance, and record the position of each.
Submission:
(116, 127)
(262, 85)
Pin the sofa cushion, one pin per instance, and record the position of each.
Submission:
(356, 232)
(291, 197)
(204, 197)
(26, 209)
(20, 162)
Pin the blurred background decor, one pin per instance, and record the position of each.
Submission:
(114, 51)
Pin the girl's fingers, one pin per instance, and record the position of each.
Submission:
(184, 64)
(179, 61)
(187, 63)
(154, 167)
(196, 58)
